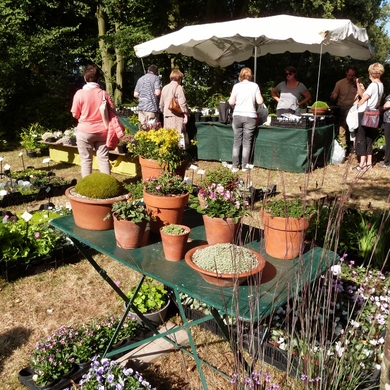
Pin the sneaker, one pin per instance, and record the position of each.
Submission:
(359, 168)
(234, 170)
(383, 165)
(244, 169)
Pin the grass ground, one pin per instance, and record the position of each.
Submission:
(32, 307)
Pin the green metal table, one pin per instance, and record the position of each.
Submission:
(252, 301)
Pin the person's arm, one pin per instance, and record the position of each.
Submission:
(306, 97)
(275, 94)
(363, 99)
(157, 92)
(335, 94)
(360, 88)
(259, 98)
(136, 94)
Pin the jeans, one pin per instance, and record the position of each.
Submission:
(86, 142)
(243, 128)
(364, 138)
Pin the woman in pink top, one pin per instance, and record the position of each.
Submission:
(91, 131)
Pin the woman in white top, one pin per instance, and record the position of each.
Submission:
(244, 97)
(370, 98)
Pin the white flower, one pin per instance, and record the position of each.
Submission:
(339, 349)
(336, 269)
(355, 324)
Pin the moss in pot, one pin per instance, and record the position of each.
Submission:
(92, 198)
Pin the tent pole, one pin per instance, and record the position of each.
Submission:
(255, 64)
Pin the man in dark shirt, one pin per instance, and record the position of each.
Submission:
(148, 91)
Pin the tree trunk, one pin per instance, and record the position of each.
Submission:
(120, 66)
(107, 63)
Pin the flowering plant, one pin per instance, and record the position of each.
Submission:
(167, 184)
(56, 355)
(125, 140)
(161, 145)
(220, 202)
(108, 374)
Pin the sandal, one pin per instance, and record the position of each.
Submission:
(359, 168)
(368, 166)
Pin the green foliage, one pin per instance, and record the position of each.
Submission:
(294, 208)
(219, 175)
(135, 190)
(99, 185)
(25, 241)
(151, 297)
(130, 211)
(173, 229)
(166, 184)
(31, 136)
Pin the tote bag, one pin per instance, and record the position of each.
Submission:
(371, 116)
(103, 108)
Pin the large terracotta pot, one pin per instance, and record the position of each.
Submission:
(220, 230)
(174, 245)
(284, 237)
(165, 209)
(151, 168)
(221, 279)
(90, 213)
(128, 235)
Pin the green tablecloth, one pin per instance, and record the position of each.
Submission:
(287, 149)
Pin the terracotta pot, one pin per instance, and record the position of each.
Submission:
(128, 235)
(174, 245)
(284, 237)
(90, 213)
(319, 111)
(165, 209)
(223, 280)
(151, 168)
(220, 230)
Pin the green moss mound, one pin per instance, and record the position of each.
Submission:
(99, 185)
(319, 104)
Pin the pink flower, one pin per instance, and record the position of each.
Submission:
(37, 235)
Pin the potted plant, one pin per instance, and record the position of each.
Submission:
(152, 300)
(91, 200)
(174, 240)
(224, 264)
(105, 373)
(69, 137)
(124, 141)
(130, 218)
(159, 150)
(319, 108)
(165, 198)
(222, 211)
(30, 138)
(285, 223)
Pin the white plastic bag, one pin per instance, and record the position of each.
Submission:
(338, 153)
(353, 118)
(103, 108)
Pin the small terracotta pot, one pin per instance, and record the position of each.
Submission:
(174, 245)
(128, 235)
(151, 168)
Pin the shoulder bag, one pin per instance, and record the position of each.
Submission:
(103, 108)
(371, 116)
(174, 105)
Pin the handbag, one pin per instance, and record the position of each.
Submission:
(174, 105)
(104, 111)
(371, 116)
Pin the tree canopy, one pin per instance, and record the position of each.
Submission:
(46, 44)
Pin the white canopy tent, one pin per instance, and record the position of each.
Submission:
(221, 44)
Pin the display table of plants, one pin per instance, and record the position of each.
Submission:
(30, 185)
(28, 242)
